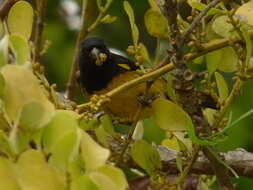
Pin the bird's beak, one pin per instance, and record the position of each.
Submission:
(95, 53)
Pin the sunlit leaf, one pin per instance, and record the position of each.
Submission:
(146, 156)
(222, 86)
(20, 48)
(171, 142)
(116, 175)
(103, 182)
(185, 142)
(229, 60)
(130, 13)
(33, 172)
(83, 183)
(62, 124)
(139, 131)
(8, 180)
(221, 26)
(22, 87)
(156, 24)
(245, 12)
(92, 153)
(4, 51)
(20, 19)
(169, 115)
(212, 61)
(31, 115)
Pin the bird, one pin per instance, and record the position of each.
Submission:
(101, 71)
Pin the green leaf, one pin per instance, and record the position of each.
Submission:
(108, 19)
(1, 27)
(63, 149)
(32, 115)
(103, 182)
(170, 90)
(222, 86)
(135, 32)
(248, 45)
(83, 183)
(221, 26)
(195, 139)
(248, 113)
(146, 156)
(2, 85)
(229, 60)
(62, 124)
(8, 180)
(102, 136)
(116, 175)
(22, 87)
(144, 52)
(92, 153)
(4, 144)
(20, 19)
(245, 12)
(212, 61)
(153, 5)
(156, 24)
(4, 51)
(169, 115)
(107, 124)
(33, 172)
(20, 49)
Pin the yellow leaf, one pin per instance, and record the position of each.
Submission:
(20, 19)
(245, 12)
(156, 24)
(222, 86)
(169, 115)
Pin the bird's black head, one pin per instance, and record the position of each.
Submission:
(94, 73)
(93, 47)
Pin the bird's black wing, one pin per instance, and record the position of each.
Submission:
(123, 63)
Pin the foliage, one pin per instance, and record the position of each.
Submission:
(46, 143)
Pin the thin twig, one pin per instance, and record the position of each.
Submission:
(198, 19)
(41, 9)
(81, 35)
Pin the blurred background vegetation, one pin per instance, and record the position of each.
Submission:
(62, 17)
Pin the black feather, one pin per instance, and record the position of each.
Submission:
(94, 77)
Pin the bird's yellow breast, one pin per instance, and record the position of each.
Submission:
(125, 104)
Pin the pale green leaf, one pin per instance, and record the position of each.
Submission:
(4, 51)
(135, 32)
(22, 87)
(170, 90)
(20, 49)
(116, 175)
(146, 156)
(169, 115)
(31, 115)
(20, 19)
(212, 61)
(156, 24)
(102, 136)
(229, 60)
(245, 12)
(83, 183)
(103, 182)
(33, 172)
(2, 85)
(221, 26)
(171, 142)
(107, 124)
(222, 86)
(92, 153)
(8, 179)
(60, 155)
(62, 124)
(139, 131)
